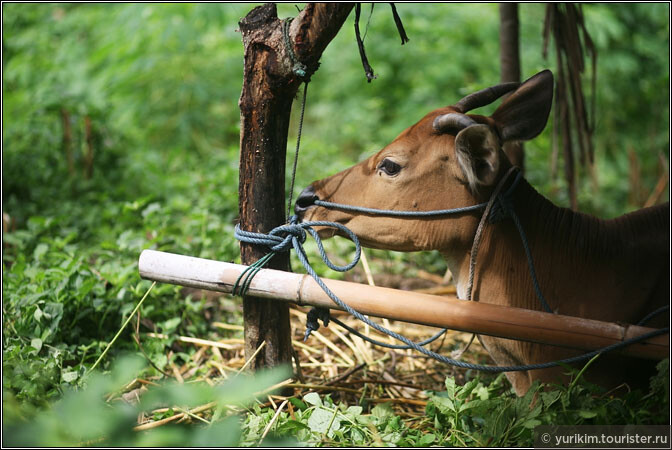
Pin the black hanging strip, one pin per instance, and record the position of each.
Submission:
(400, 26)
(360, 42)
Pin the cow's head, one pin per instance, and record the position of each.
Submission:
(449, 159)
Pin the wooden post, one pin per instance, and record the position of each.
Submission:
(269, 86)
(509, 58)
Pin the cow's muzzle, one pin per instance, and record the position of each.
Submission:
(306, 199)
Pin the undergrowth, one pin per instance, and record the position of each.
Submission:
(477, 413)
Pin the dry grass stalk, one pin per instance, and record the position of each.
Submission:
(376, 381)
(247, 363)
(330, 367)
(323, 365)
(321, 387)
(179, 416)
(193, 416)
(407, 401)
(220, 367)
(333, 347)
(361, 354)
(176, 373)
(197, 341)
(227, 326)
(280, 385)
(270, 424)
(216, 353)
(305, 347)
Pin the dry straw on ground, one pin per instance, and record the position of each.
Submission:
(332, 361)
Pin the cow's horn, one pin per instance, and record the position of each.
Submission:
(484, 96)
(452, 121)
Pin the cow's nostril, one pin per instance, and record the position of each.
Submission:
(305, 200)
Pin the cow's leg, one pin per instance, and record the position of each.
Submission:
(500, 351)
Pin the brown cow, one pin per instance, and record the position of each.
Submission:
(612, 270)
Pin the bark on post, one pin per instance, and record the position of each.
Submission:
(269, 86)
(510, 66)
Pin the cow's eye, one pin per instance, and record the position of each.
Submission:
(389, 167)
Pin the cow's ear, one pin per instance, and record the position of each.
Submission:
(478, 149)
(524, 113)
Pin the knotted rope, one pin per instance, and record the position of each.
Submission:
(293, 235)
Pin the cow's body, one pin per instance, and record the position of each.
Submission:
(611, 270)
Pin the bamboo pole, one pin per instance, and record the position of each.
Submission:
(442, 312)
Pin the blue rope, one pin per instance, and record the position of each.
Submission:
(395, 213)
(502, 209)
(294, 234)
(652, 314)
(385, 344)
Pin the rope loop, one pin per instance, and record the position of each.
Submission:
(287, 233)
(502, 208)
(293, 235)
(298, 68)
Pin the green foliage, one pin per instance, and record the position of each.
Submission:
(487, 415)
(318, 421)
(83, 417)
(479, 413)
(70, 277)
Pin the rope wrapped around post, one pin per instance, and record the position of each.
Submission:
(293, 235)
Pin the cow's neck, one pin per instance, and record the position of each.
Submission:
(608, 269)
(502, 272)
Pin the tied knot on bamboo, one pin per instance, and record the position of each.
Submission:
(293, 235)
(285, 237)
(280, 239)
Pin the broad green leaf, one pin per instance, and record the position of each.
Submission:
(587, 414)
(313, 398)
(450, 386)
(382, 412)
(69, 377)
(36, 343)
(40, 251)
(298, 403)
(320, 420)
(426, 439)
(354, 411)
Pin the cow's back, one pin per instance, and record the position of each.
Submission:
(645, 238)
